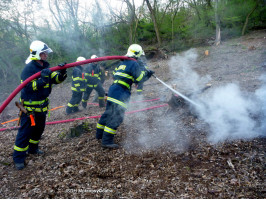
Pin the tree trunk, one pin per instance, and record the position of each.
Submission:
(246, 22)
(132, 16)
(154, 23)
(173, 15)
(218, 27)
(137, 21)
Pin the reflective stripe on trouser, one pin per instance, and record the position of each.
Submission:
(111, 118)
(109, 130)
(28, 136)
(99, 131)
(99, 89)
(75, 99)
(74, 102)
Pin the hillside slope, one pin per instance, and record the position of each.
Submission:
(165, 152)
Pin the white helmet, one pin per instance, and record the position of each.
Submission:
(80, 59)
(38, 47)
(94, 56)
(135, 50)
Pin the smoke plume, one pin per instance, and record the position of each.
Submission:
(227, 110)
(261, 99)
(182, 69)
(228, 113)
(225, 113)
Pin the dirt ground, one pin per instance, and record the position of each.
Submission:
(164, 150)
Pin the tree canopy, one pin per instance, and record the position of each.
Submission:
(75, 28)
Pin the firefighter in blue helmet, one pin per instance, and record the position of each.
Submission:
(93, 78)
(128, 72)
(78, 88)
(35, 96)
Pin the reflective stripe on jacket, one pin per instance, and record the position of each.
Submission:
(36, 92)
(129, 72)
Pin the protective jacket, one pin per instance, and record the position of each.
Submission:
(35, 93)
(93, 75)
(78, 80)
(127, 73)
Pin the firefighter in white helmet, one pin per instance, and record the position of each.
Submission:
(127, 73)
(78, 87)
(93, 75)
(35, 96)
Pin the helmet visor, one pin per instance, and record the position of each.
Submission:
(46, 49)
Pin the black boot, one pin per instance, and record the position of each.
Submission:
(37, 151)
(19, 166)
(101, 103)
(68, 110)
(76, 109)
(108, 141)
(84, 104)
(34, 149)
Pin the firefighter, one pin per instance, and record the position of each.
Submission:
(78, 88)
(93, 78)
(35, 95)
(126, 74)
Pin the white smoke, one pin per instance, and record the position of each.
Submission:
(228, 111)
(155, 132)
(181, 68)
(261, 97)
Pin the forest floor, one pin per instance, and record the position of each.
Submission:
(165, 151)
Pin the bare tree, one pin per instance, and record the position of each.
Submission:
(132, 18)
(65, 13)
(153, 16)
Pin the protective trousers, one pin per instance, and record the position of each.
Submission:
(110, 120)
(28, 136)
(73, 104)
(99, 89)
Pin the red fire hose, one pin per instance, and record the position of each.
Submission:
(34, 76)
(89, 117)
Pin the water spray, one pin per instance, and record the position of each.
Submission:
(178, 93)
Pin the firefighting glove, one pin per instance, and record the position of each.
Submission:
(62, 71)
(150, 73)
(45, 75)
